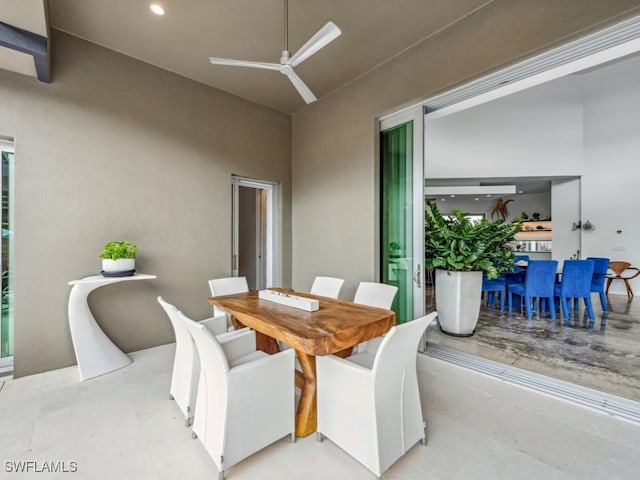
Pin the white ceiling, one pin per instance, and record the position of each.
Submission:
(193, 30)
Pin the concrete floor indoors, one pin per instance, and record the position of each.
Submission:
(602, 354)
(122, 425)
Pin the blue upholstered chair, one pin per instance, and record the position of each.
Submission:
(600, 267)
(575, 283)
(498, 285)
(539, 283)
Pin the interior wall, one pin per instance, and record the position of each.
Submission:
(117, 149)
(335, 140)
(610, 191)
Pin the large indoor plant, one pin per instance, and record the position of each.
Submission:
(119, 256)
(461, 251)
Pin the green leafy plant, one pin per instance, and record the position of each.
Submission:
(119, 249)
(457, 244)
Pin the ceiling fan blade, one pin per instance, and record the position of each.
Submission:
(303, 90)
(325, 35)
(244, 63)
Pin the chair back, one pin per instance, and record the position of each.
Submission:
(213, 387)
(600, 267)
(520, 258)
(228, 286)
(397, 397)
(327, 286)
(540, 278)
(618, 267)
(375, 294)
(186, 363)
(576, 278)
(183, 337)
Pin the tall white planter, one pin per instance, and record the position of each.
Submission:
(458, 296)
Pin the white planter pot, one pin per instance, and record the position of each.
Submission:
(119, 265)
(458, 296)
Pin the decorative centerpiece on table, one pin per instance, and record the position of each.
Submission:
(119, 259)
(461, 251)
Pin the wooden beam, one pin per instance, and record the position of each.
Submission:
(30, 43)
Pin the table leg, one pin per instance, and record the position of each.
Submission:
(263, 342)
(307, 413)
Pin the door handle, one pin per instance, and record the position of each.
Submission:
(416, 277)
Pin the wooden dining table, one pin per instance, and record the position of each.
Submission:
(334, 328)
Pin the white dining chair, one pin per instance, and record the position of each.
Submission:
(327, 286)
(186, 364)
(374, 294)
(323, 287)
(369, 403)
(227, 286)
(245, 397)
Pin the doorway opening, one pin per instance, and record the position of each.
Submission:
(575, 131)
(6, 258)
(254, 239)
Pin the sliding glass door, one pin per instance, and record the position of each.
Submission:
(6, 253)
(402, 212)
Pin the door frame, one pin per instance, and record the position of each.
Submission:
(8, 145)
(416, 116)
(271, 188)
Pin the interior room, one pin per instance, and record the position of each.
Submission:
(151, 122)
(567, 118)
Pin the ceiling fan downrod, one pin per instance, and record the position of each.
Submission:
(284, 57)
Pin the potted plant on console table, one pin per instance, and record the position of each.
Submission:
(119, 258)
(461, 251)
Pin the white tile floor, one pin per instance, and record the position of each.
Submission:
(122, 426)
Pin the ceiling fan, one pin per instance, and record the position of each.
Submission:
(323, 37)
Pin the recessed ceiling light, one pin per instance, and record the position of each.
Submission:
(443, 199)
(452, 196)
(520, 191)
(476, 199)
(488, 195)
(157, 8)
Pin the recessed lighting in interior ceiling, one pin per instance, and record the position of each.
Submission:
(157, 8)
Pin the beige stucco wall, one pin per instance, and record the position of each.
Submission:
(334, 140)
(117, 149)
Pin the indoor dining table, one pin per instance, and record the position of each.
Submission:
(334, 328)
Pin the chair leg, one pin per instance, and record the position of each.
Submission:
(171, 397)
(194, 435)
(423, 440)
(293, 437)
(589, 305)
(552, 308)
(603, 301)
(565, 307)
(527, 306)
(188, 421)
(576, 304)
(502, 301)
(509, 300)
(629, 291)
(609, 280)
(319, 437)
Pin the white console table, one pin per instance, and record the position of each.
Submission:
(95, 352)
